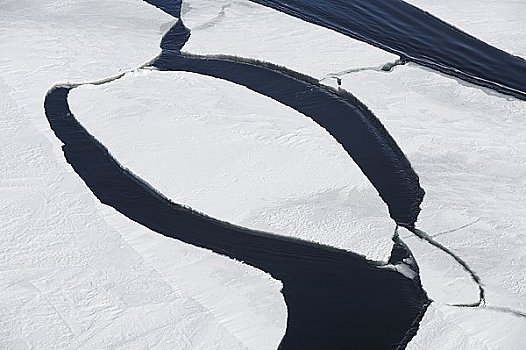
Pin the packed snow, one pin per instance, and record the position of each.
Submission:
(238, 156)
(246, 29)
(74, 273)
(468, 145)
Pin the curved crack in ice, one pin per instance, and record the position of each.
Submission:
(481, 303)
(349, 119)
(422, 235)
(300, 265)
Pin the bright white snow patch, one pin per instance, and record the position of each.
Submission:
(448, 327)
(236, 155)
(246, 29)
(468, 146)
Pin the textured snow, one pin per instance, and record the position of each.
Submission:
(73, 273)
(236, 155)
(468, 146)
(496, 22)
(244, 28)
(445, 327)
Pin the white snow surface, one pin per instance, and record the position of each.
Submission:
(468, 145)
(446, 328)
(496, 22)
(238, 156)
(246, 29)
(74, 274)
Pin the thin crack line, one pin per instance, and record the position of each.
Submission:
(421, 234)
(481, 303)
(455, 229)
(507, 310)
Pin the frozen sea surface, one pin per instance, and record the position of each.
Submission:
(318, 281)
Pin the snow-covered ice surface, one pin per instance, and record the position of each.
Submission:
(74, 273)
(445, 327)
(468, 146)
(497, 22)
(238, 156)
(246, 29)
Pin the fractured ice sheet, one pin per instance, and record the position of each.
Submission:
(468, 146)
(73, 273)
(236, 155)
(246, 29)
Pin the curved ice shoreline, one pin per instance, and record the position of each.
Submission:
(327, 273)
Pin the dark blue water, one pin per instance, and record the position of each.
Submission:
(403, 29)
(335, 299)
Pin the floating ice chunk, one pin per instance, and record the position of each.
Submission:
(244, 28)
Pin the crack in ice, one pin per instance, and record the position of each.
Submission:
(455, 229)
(423, 235)
(386, 68)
